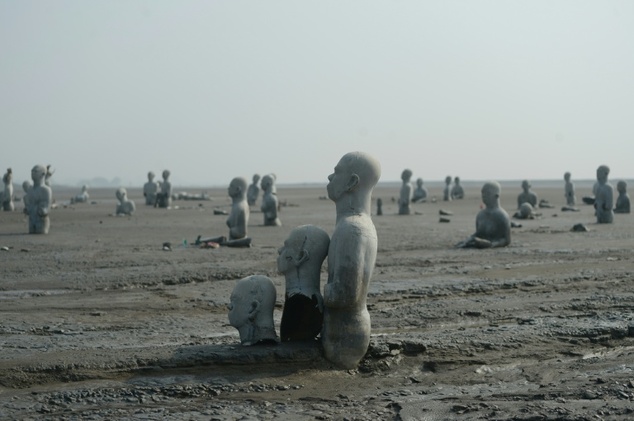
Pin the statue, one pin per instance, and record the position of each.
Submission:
(569, 190)
(151, 189)
(26, 186)
(493, 226)
(420, 193)
(457, 192)
(623, 201)
(238, 218)
(300, 261)
(406, 193)
(49, 174)
(525, 212)
(604, 197)
(7, 195)
(38, 202)
(269, 201)
(527, 195)
(125, 205)
(81, 197)
(251, 310)
(253, 191)
(446, 193)
(164, 198)
(379, 206)
(352, 253)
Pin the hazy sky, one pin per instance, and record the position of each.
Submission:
(217, 89)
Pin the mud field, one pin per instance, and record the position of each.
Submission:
(98, 322)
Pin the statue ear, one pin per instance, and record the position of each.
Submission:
(352, 182)
(303, 256)
(253, 311)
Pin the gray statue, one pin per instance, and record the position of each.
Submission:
(420, 193)
(125, 205)
(164, 198)
(238, 218)
(81, 197)
(251, 310)
(254, 191)
(352, 253)
(49, 174)
(379, 206)
(300, 261)
(569, 190)
(405, 198)
(270, 203)
(623, 200)
(527, 195)
(525, 211)
(457, 192)
(26, 186)
(604, 197)
(38, 202)
(7, 195)
(150, 189)
(493, 226)
(446, 193)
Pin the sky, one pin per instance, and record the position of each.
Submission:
(212, 90)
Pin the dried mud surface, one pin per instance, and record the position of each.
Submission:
(98, 322)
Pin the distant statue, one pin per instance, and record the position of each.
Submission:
(151, 189)
(604, 197)
(251, 310)
(446, 193)
(420, 193)
(254, 191)
(164, 198)
(7, 195)
(525, 211)
(379, 206)
(493, 226)
(270, 203)
(125, 205)
(300, 260)
(623, 200)
(405, 198)
(527, 195)
(26, 186)
(569, 190)
(238, 218)
(352, 253)
(81, 197)
(38, 202)
(49, 174)
(457, 192)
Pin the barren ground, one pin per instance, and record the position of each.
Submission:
(97, 322)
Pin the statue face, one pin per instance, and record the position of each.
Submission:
(241, 305)
(339, 179)
(38, 172)
(602, 174)
(490, 195)
(234, 189)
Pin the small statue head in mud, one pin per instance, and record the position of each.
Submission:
(420, 193)
(604, 197)
(269, 201)
(254, 190)
(300, 260)
(493, 226)
(125, 205)
(406, 193)
(251, 310)
(623, 199)
(525, 212)
(38, 202)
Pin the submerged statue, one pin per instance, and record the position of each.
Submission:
(457, 192)
(623, 200)
(254, 191)
(604, 196)
(446, 193)
(525, 211)
(493, 226)
(420, 193)
(352, 253)
(150, 189)
(7, 195)
(238, 218)
(569, 190)
(527, 195)
(81, 197)
(270, 203)
(300, 261)
(38, 202)
(251, 310)
(125, 205)
(164, 198)
(404, 200)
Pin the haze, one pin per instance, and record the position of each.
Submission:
(217, 89)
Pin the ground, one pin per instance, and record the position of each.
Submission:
(99, 322)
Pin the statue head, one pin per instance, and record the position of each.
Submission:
(491, 194)
(251, 309)
(121, 194)
(356, 173)
(621, 186)
(526, 210)
(306, 243)
(526, 185)
(456, 180)
(150, 176)
(237, 187)
(84, 188)
(602, 173)
(267, 182)
(448, 179)
(37, 174)
(406, 175)
(567, 176)
(419, 182)
(27, 186)
(166, 174)
(256, 178)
